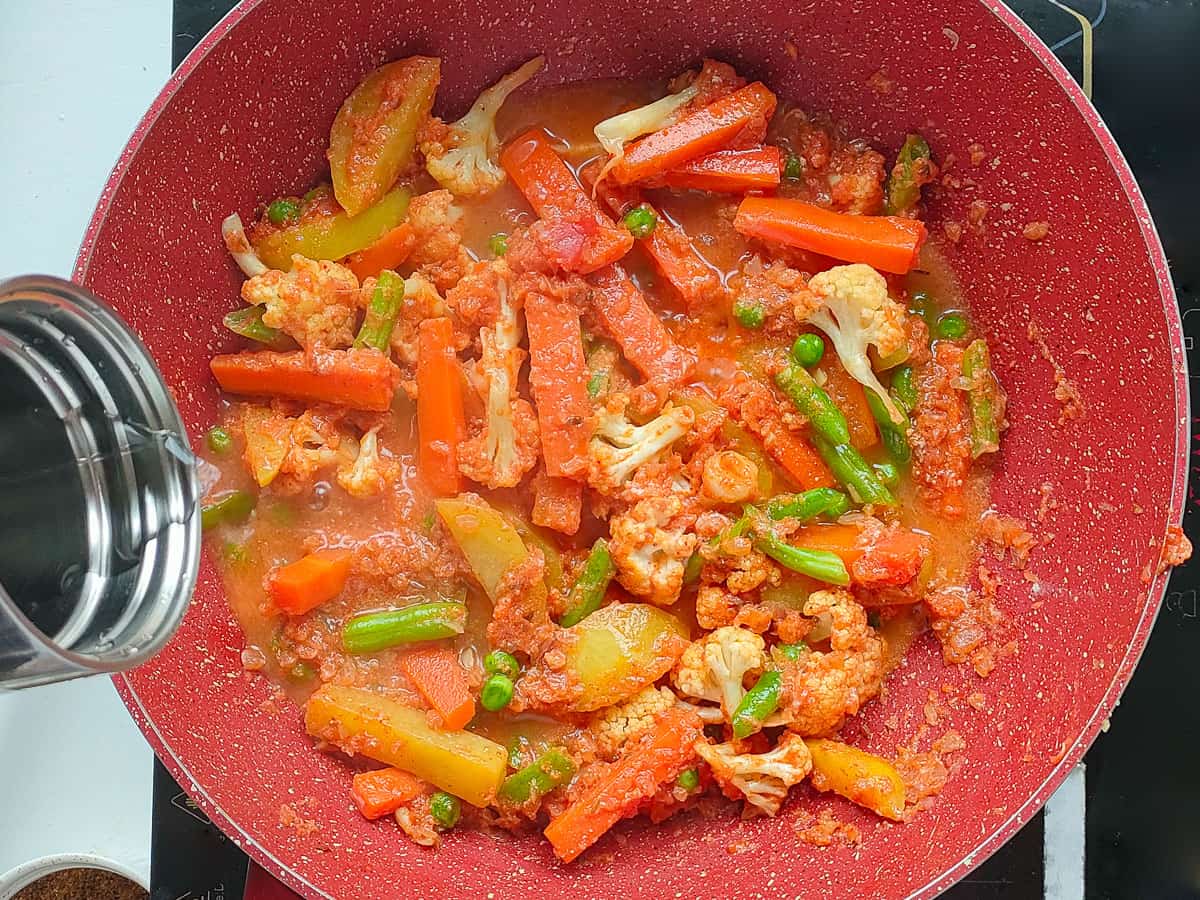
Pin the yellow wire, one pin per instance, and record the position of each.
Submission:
(1085, 25)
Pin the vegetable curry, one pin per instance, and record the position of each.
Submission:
(597, 453)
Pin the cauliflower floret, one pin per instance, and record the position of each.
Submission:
(438, 229)
(463, 158)
(615, 725)
(619, 447)
(287, 451)
(416, 820)
(507, 445)
(650, 546)
(762, 778)
(370, 471)
(856, 312)
(239, 247)
(715, 667)
(821, 689)
(617, 131)
(729, 477)
(316, 302)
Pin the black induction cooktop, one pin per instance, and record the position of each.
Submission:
(1142, 786)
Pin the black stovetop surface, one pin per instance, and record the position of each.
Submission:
(1142, 838)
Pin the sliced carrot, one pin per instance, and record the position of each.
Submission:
(753, 404)
(441, 679)
(381, 792)
(887, 243)
(441, 421)
(585, 238)
(848, 395)
(558, 374)
(641, 335)
(310, 581)
(668, 246)
(730, 171)
(557, 503)
(875, 557)
(386, 253)
(742, 114)
(646, 762)
(359, 378)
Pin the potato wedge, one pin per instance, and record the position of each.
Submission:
(359, 721)
(374, 135)
(857, 775)
(620, 649)
(486, 538)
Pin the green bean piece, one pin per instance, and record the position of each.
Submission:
(977, 369)
(791, 652)
(551, 770)
(749, 313)
(824, 565)
(497, 692)
(692, 568)
(588, 591)
(219, 440)
(950, 326)
(498, 243)
(809, 504)
(903, 190)
(904, 388)
(248, 322)
(283, 211)
(232, 508)
(597, 384)
(382, 312)
(810, 398)
(893, 434)
(641, 221)
(793, 168)
(234, 553)
(445, 809)
(852, 470)
(757, 705)
(808, 349)
(430, 621)
(689, 779)
(301, 671)
(501, 662)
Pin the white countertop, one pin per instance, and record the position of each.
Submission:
(75, 77)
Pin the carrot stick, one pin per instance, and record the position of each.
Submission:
(887, 243)
(668, 246)
(381, 792)
(875, 557)
(310, 581)
(849, 397)
(743, 113)
(359, 378)
(641, 335)
(440, 678)
(557, 503)
(730, 171)
(558, 374)
(386, 253)
(441, 421)
(654, 757)
(584, 237)
(753, 404)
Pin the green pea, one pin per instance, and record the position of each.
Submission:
(792, 651)
(497, 692)
(219, 440)
(808, 349)
(283, 211)
(498, 243)
(921, 304)
(950, 326)
(234, 552)
(689, 780)
(749, 313)
(445, 809)
(301, 671)
(887, 472)
(500, 662)
(641, 221)
(793, 168)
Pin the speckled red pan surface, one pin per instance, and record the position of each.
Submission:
(247, 117)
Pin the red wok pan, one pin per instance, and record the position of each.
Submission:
(247, 117)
